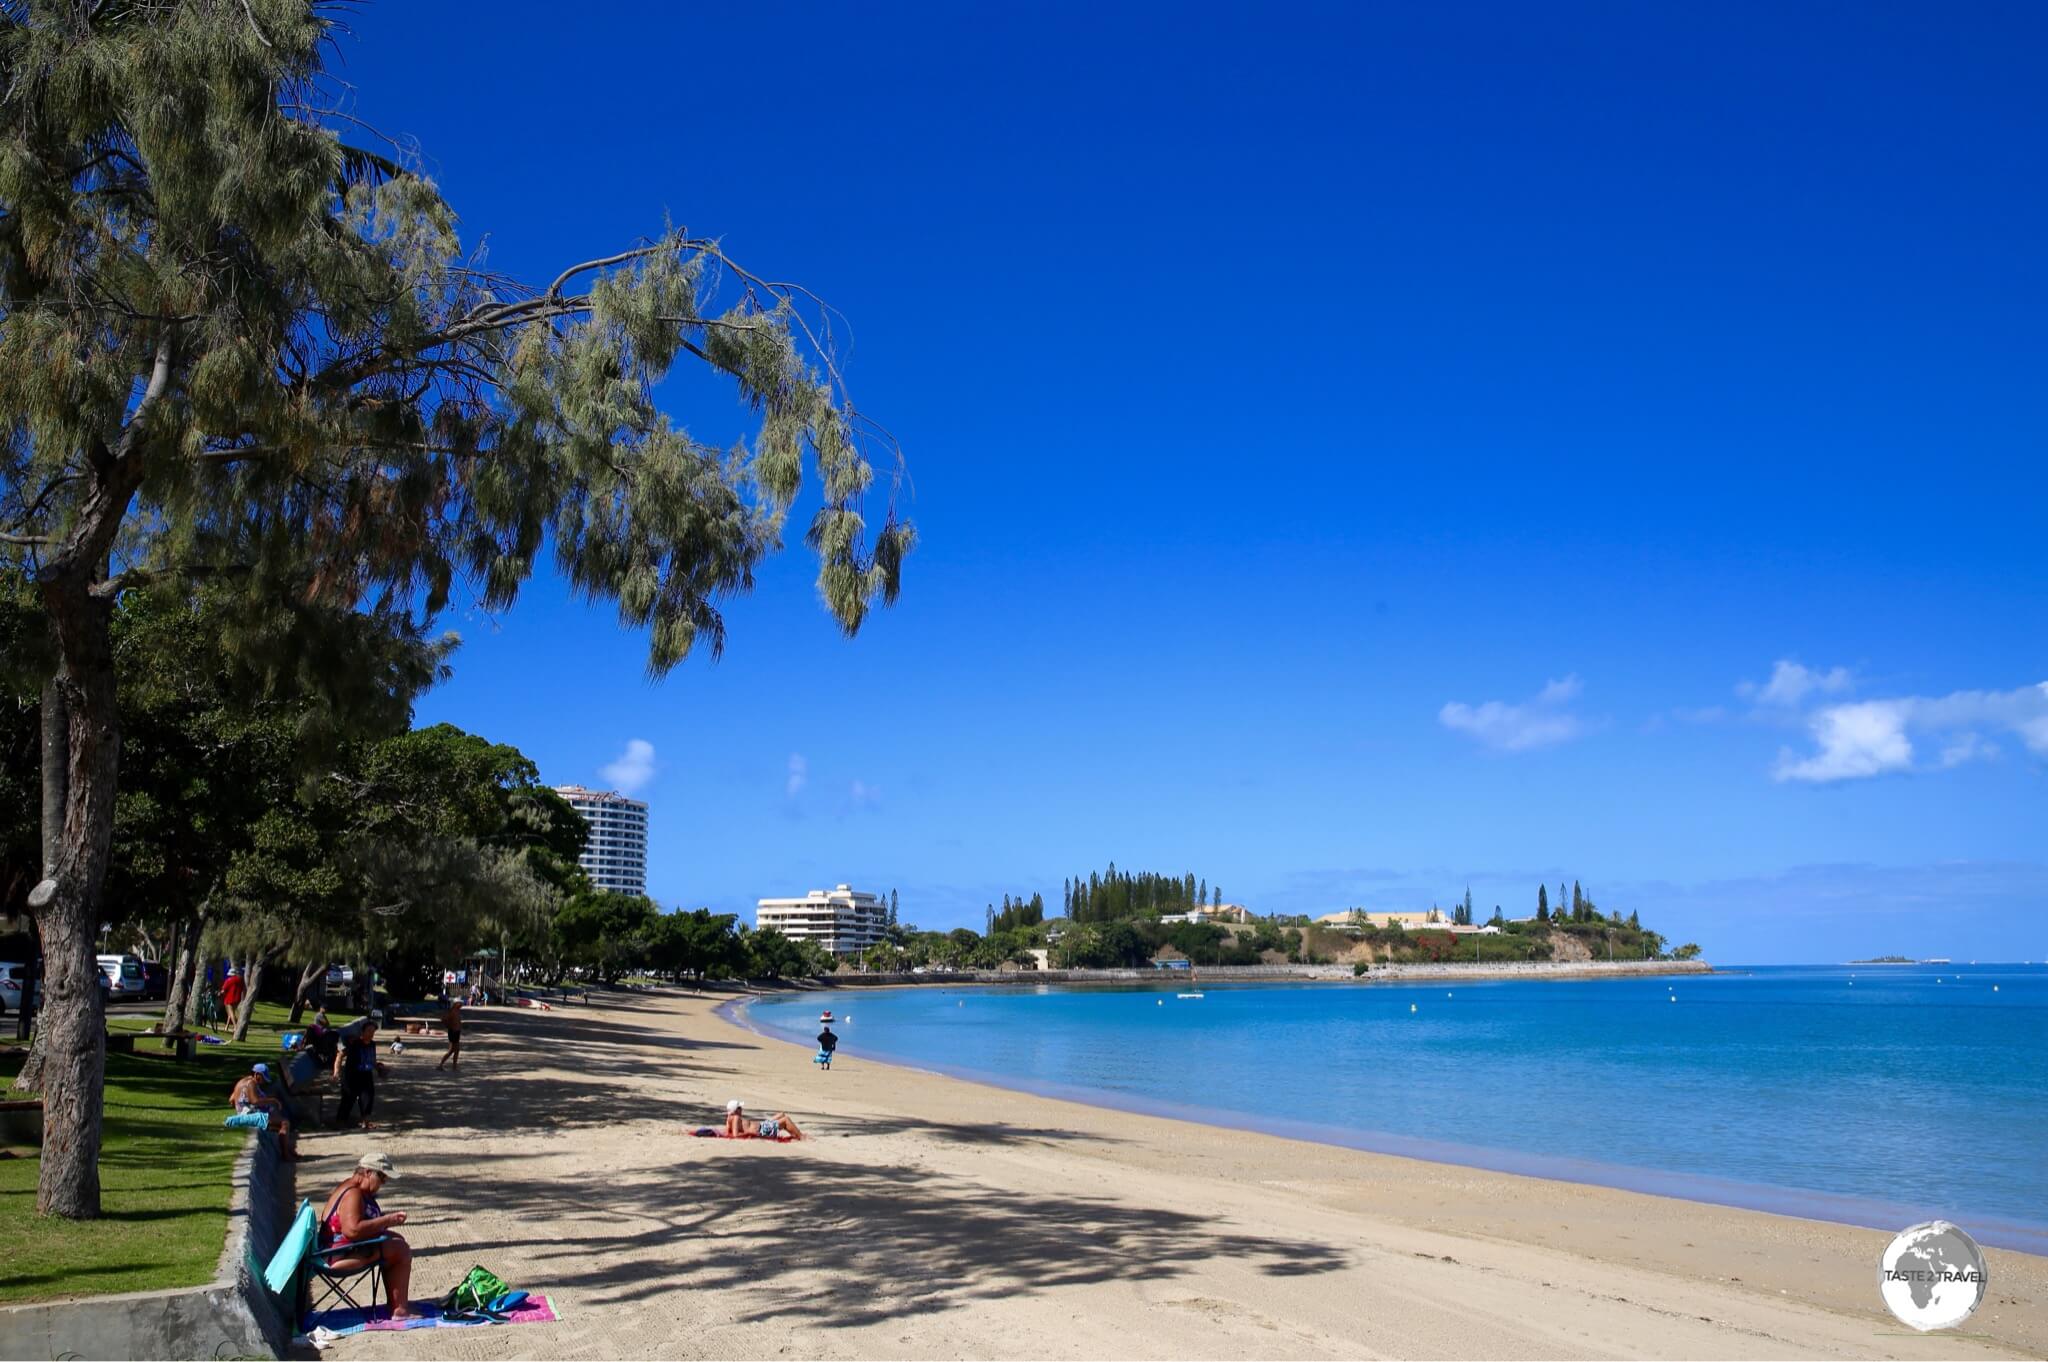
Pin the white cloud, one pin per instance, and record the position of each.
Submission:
(1873, 737)
(1790, 683)
(864, 795)
(1541, 722)
(799, 775)
(1967, 747)
(634, 767)
(1864, 739)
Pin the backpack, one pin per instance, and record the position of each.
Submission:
(481, 1290)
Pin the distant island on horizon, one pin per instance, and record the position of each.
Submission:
(1903, 960)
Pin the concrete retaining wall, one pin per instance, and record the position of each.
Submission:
(233, 1316)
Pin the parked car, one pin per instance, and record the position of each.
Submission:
(12, 975)
(156, 982)
(339, 977)
(125, 979)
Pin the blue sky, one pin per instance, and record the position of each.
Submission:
(1359, 451)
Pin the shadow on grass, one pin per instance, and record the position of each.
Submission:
(166, 1165)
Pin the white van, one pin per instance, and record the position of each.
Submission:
(125, 979)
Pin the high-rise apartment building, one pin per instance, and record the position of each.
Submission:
(616, 855)
(841, 920)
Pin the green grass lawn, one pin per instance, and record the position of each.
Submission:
(165, 1165)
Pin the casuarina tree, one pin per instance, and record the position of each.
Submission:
(235, 348)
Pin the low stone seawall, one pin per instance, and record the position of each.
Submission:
(234, 1315)
(1224, 974)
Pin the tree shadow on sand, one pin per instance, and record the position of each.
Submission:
(512, 1079)
(991, 1133)
(841, 1246)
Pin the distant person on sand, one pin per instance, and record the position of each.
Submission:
(827, 1043)
(249, 1096)
(740, 1126)
(451, 1021)
(353, 1215)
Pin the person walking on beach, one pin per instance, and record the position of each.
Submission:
(356, 1069)
(451, 1021)
(827, 1043)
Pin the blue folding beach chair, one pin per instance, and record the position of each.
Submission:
(305, 1269)
(338, 1287)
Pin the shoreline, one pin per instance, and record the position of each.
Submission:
(924, 1217)
(1261, 974)
(1694, 1188)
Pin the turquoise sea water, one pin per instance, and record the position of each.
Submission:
(1875, 1095)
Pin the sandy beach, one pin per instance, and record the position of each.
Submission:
(930, 1217)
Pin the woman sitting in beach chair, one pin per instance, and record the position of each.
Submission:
(352, 1218)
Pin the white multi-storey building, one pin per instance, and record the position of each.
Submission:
(616, 855)
(841, 920)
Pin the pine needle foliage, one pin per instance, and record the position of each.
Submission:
(237, 350)
(307, 382)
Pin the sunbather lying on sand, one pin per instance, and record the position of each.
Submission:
(740, 1126)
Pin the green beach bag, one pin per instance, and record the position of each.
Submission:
(476, 1291)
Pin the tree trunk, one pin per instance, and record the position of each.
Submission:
(314, 974)
(56, 772)
(56, 783)
(184, 965)
(252, 981)
(194, 967)
(73, 1023)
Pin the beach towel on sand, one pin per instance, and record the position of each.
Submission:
(714, 1133)
(534, 1310)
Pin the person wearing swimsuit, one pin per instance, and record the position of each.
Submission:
(352, 1215)
(451, 1022)
(740, 1126)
